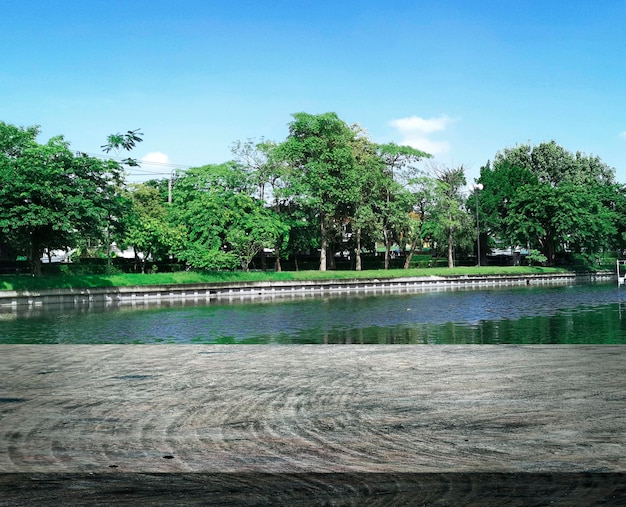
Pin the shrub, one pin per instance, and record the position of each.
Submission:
(536, 258)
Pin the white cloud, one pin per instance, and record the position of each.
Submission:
(155, 158)
(415, 131)
(423, 125)
(623, 135)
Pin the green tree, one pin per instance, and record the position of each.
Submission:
(617, 203)
(303, 230)
(252, 228)
(449, 218)
(200, 202)
(266, 173)
(569, 217)
(224, 226)
(395, 202)
(365, 223)
(319, 151)
(423, 199)
(118, 143)
(501, 182)
(262, 166)
(554, 165)
(51, 198)
(148, 227)
(549, 199)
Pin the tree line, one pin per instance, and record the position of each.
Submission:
(327, 189)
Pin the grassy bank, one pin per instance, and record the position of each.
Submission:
(26, 282)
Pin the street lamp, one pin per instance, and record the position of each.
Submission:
(476, 188)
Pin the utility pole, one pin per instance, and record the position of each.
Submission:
(169, 187)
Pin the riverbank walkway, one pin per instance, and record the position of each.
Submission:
(312, 425)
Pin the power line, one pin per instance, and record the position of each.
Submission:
(143, 170)
(165, 175)
(147, 162)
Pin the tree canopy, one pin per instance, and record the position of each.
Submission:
(51, 198)
(323, 177)
(223, 226)
(327, 191)
(546, 198)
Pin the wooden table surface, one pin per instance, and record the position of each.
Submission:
(86, 422)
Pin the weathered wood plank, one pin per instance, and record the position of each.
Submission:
(433, 413)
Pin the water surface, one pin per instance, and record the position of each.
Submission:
(578, 314)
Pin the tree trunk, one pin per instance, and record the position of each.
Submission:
(450, 250)
(548, 249)
(409, 256)
(387, 246)
(324, 241)
(357, 250)
(108, 247)
(35, 253)
(386, 234)
(37, 267)
(330, 258)
(551, 254)
(277, 267)
(138, 263)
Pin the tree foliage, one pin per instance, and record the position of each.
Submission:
(124, 142)
(395, 202)
(149, 230)
(323, 177)
(423, 203)
(327, 187)
(546, 198)
(51, 198)
(224, 227)
(449, 218)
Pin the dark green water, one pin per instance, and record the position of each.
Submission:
(579, 314)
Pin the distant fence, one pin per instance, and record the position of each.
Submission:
(98, 266)
(14, 267)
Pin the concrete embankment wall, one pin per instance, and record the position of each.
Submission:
(254, 290)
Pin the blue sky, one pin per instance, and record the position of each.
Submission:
(459, 79)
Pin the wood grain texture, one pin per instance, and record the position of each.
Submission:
(428, 413)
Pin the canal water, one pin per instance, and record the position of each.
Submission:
(577, 314)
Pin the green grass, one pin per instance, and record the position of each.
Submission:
(26, 282)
